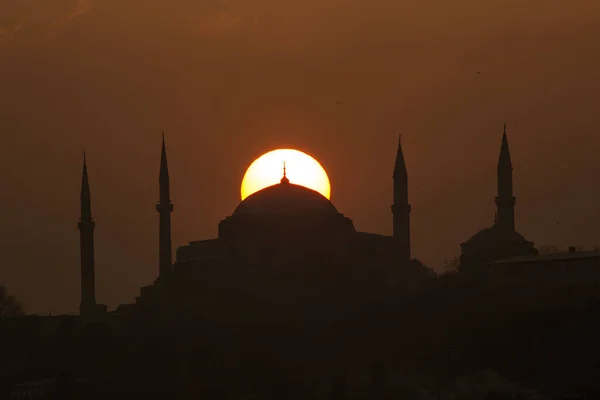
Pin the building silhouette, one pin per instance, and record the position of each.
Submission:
(285, 241)
(290, 243)
(501, 240)
(545, 272)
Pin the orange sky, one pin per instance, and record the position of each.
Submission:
(229, 80)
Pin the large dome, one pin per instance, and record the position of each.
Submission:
(285, 199)
(282, 212)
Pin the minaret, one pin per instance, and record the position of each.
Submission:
(401, 208)
(505, 202)
(164, 208)
(86, 236)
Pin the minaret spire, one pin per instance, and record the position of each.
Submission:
(505, 201)
(401, 209)
(86, 226)
(504, 160)
(400, 165)
(86, 201)
(164, 171)
(284, 179)
(164, 208)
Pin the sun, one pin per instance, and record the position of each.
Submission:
(301, 169)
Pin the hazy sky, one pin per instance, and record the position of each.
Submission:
(230, 80)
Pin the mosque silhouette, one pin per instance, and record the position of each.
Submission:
(290, 243)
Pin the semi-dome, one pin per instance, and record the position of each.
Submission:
(285, 199)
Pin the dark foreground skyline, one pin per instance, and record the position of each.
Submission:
(241, 82)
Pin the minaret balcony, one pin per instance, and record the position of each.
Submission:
(168, 207)
(86, 223)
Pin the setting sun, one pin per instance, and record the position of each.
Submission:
(301, 169)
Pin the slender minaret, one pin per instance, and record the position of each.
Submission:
(164, 208)
(401, 208)
(505, 202)
(86, 236)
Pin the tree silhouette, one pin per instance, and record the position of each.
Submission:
(452, 265)
(9, 305)
(549, 249)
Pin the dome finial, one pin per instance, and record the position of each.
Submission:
(284, 179)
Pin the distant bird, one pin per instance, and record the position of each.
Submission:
(478, 72)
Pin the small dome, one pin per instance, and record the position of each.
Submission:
(285, 199)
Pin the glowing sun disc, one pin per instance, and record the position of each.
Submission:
(301, 169)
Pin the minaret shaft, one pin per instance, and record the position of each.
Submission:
(88, 281)
(401, 209)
